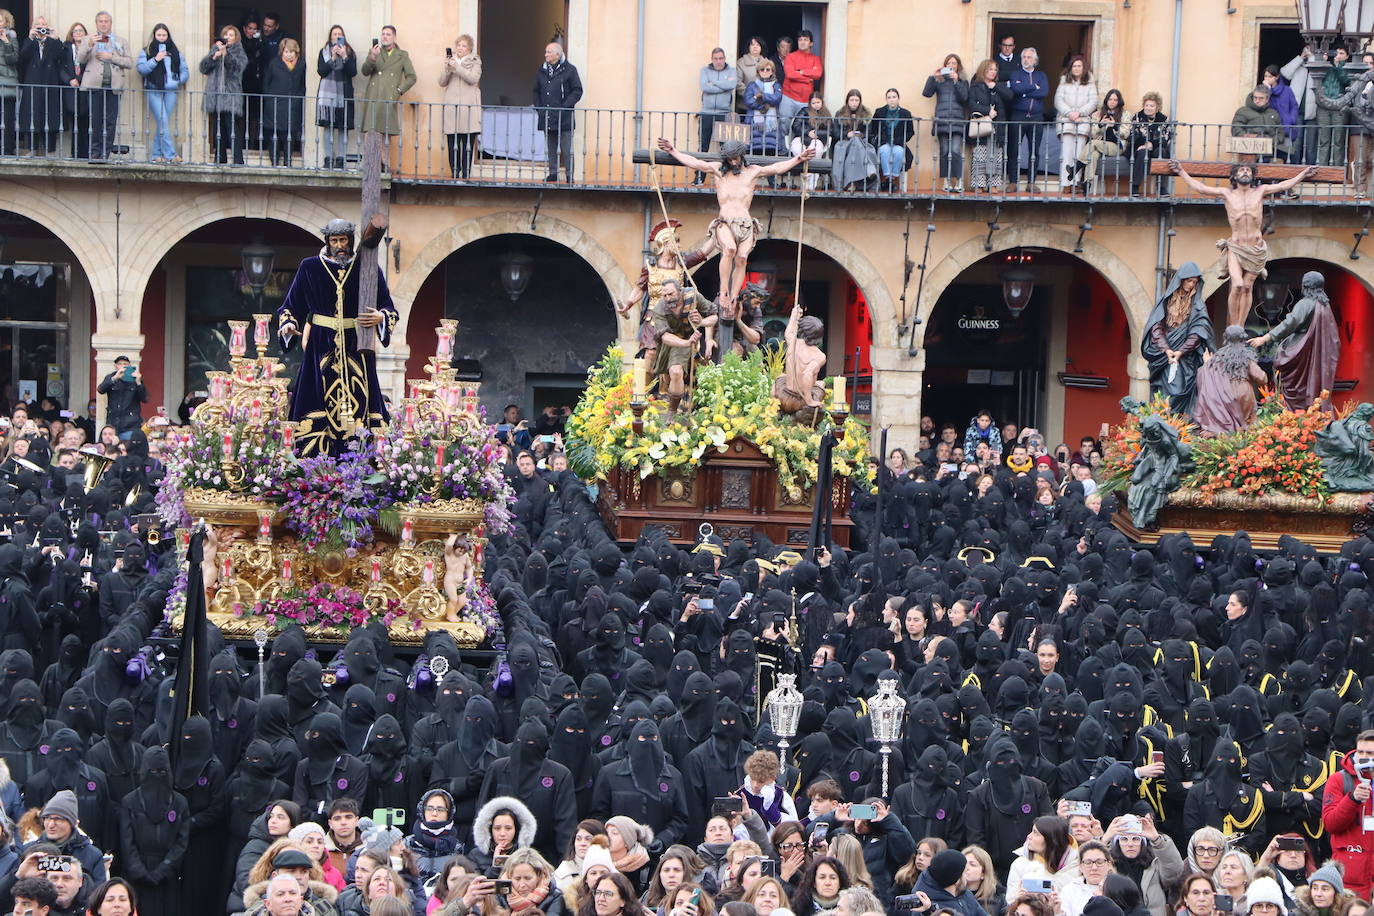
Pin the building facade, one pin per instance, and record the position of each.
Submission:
(127, 257)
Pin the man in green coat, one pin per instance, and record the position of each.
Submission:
(389, 75)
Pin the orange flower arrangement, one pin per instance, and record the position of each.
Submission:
(1275, 454)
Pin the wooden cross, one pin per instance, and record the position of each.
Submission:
(374, 224)
(658, 157)
(1264, 171)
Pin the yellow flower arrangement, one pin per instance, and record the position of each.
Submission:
(731, 400)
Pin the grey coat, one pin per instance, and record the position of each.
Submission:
(224, 86)
(717, 89)
(9, 66)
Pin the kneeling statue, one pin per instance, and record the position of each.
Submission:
(800, 391)
(1159, 466)
(1344, 450)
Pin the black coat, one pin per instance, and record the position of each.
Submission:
(283, 104)
(981, 99)
(557, 90)
(122, 410)
(41, 108)
(152, 848)
(553, 804)
(930, 813)
(710, 772)
(347, 780)
(666, 815)
(347, 69)
(92, 801)
(1000, 834)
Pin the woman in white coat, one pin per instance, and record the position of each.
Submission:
(1075, 101)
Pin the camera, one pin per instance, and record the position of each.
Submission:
(501, 886)
(55, 863)
(43, 31)
(907, 902)
(1290, 843)
(946, 71)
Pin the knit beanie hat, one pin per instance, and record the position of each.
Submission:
(301, 831)
(378, 843)
(597, 855)
(1331, 875)
(63, 805)
(1265, 890)
(946, 867)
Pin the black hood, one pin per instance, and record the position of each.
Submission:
(194, 752)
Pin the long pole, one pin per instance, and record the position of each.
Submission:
(801, 226)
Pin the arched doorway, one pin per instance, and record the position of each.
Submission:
(532, 316)
(1352, 303)
(198, 286)
(45, 317)
(828, 292)
(1055, 359)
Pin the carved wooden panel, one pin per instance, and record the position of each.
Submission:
(735, 488)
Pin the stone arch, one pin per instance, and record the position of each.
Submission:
(182, 217)
(1311, 247)
(1124, 282)
(93, 250)
(512, 222)
(883, 311)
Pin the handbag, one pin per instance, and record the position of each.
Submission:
(981, 127)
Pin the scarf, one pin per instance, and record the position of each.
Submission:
(632, 861)
(536, 897)
(1024, 468)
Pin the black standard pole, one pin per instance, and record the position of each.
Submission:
(820, 522)
(882, 470)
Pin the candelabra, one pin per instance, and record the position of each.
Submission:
(260, 640)
(784, 705)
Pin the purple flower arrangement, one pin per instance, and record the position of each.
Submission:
(328, 500)
(330, 607)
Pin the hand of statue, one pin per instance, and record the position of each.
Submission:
(1174, 167)
(1258, 341)
(370, 319)
(290, 330)
(807, 154)
(1206, 356)
(665, 145)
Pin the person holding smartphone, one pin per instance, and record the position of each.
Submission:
(164, 72)
(224, 67)
(125, 395)
(461, 78)
(337, 65)
(106, 62)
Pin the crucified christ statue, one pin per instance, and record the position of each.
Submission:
(1246, 251)
(734, 229)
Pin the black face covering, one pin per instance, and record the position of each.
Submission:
(253, 777)
(812, 757)
(75, 712)
(287, 649)
(727, 729)
(385, 747)
(156, 785)
(224, 683)
(930, 772)
(195, 752)
(304, 688)
(119, 724)
(1283, 748)
(1004, 773)
(323, 745)
(64, 758)
(26, 715)
(358, 715)
(452, 696)
(477, 730)
(1223, 773)
(597, 700)
(571, 745)
(683, 665)
(361, 660)
(698, 706)
(835, 683)
(527, 753)
(646, 759)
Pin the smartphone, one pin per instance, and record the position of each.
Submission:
(55, 863)
(65, 414)
(1157, 757)
(339, 41)
(389, 817)
(863, 812)
(706, 604)
(820, 831)
(1080, 807)
(1037, 885)
(501, 886)
(1223, 903)
(503, 427)
(696, 897)
(546, 439)
(499, 861)
(768, 868)
(375, 42)
(726, 803)
(1293, 843)
(128, 373)
(448, 52)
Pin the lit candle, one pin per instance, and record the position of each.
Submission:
(255, 410)
(286, 568)
(839, 391)
(410, 415)
(376, 574)
(288, 437)
(238, 338)
(226, 567)
(444, 352)
(428, 575)
(407, 532)
(184, 539)
(439, 458)
(381, 442)
(260, 331)
(479, 539)
(216, 385)
(265, 525)
(227, 448)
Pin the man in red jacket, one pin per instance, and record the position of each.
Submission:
(800, 70)
(1349, 816)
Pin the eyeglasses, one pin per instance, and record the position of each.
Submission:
(436, 809)
(605, 895)
(1207, 850)
(788, 847)
(1092, 862)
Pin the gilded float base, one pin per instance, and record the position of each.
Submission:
(1324, 524)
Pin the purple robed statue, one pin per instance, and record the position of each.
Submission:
(336, 395)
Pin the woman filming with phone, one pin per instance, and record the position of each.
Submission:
(337, 66)
(461, 79)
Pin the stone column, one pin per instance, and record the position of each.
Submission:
(897, 381)
(391, 369)
(1138, 371)
(105, 347)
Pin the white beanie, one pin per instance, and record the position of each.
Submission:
(1265, 890)
(303, 830)
(597, 855)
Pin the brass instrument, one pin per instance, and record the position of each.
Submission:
(97, 463)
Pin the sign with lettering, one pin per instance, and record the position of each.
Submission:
(723, 132)
(1253, 146)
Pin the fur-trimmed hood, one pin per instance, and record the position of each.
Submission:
(524, 819)
(318, 890)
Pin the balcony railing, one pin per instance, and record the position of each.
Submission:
(435, 143)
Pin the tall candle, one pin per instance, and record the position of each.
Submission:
(839, 391)
(238, 337)
(381, 442)
(376, 574)
(260, 332)
(445, 349)
(286, 568)
(265, 525)
(407, 532)
(439, 457)
(288, 436)
(226, 567)
(255, 410)
(227, 448)
(428, 576)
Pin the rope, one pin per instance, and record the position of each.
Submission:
(801, 226)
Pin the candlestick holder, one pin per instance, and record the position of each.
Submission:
(233, 473)
(637, 408)
(265, 527)
(838, 414)
(238, 338)
(261, 333)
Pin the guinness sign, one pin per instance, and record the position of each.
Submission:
(977, 326)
